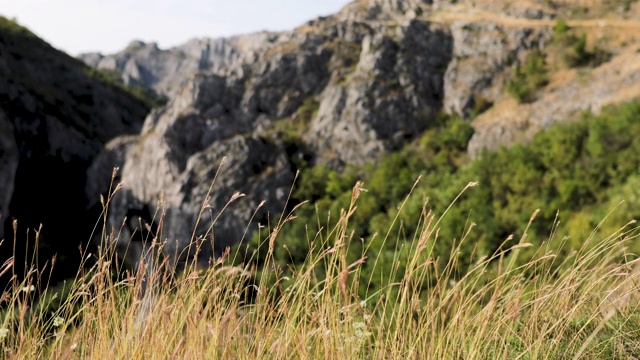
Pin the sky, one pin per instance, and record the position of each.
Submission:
(107, 26)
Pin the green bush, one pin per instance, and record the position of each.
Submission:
(560, 29)
(480, 105)
(528, 77)
(575, 51)
(577, 54)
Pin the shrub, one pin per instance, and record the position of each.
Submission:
(528, 77)
(560, 29)
(577, 54)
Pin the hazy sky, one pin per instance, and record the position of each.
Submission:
(77, 26)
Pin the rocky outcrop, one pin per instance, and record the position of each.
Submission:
(338, 90)
(165, 71)
(55, 117)
(376, 73)
(582, 90)
(177, 157)
(483, 58)
(392, 94)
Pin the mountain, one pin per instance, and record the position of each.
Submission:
(347, 89)
(488, 41)
(56, 114)
(165, 71)
(250, 111)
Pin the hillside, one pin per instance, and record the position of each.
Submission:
(340, 92)
(351, 88)
(56, 114)
(490, 39)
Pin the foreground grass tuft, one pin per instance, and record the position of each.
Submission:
(581, 306)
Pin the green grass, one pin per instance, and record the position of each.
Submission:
(582, 305)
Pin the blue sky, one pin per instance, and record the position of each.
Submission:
(77, 26)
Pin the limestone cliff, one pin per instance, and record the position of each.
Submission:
(344, 89)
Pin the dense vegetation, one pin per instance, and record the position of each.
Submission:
(529, 77)
(573, 173)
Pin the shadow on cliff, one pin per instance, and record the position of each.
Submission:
(49, 195)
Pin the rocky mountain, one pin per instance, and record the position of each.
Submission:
(338, 90)
(56, 114)
(249, 111)
(165, 71)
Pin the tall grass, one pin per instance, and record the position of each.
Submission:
(582, 306)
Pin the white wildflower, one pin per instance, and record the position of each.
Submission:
(3, 333)
(362, 334)
(58, 321)
(28, 289)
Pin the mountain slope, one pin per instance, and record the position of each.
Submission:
(348, 89)
(55, 115)
(345, 89)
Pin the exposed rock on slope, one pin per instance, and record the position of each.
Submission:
(343, 89)
(582, 90)
(483, 57)
(55, 117)
(165, 71)
(178, 154)
(338, 90)
(393, 92)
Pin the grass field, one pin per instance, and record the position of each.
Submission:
(583, 305)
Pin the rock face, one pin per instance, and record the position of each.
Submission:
(176, 158)
(587, 90)
(306, 79)
(483, 57)
(343, 89)
(165, 71)
(392, 94)
(55, 117)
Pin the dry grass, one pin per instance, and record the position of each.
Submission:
(584, 306)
